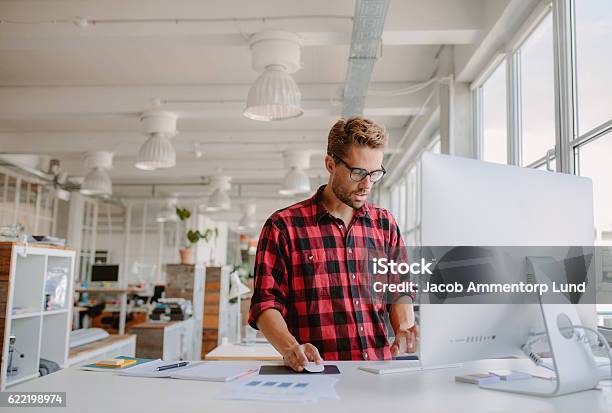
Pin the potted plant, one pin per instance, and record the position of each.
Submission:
(192, 237)
(185, 253)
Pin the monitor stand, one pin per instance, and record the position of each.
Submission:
(575, 366)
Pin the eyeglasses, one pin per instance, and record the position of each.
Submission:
(358, 174)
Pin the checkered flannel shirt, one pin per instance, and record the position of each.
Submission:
(307, 267)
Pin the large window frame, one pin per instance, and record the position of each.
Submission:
(511, 58)
(568, 139)
(567, 135)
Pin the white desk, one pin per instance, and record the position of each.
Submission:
(431, 391)
(257, 351)
(121, 292)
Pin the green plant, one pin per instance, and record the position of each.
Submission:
(183, 213)
(194, 236)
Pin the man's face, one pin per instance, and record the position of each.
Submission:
(353, 194)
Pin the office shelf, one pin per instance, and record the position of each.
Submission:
(36, 275)
(25, 315)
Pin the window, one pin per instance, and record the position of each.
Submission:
(400, 217)
(412, 224)
(494, 133)
(8, 185)
(594, 62)
(537, 93)
(594, 162)
(395, 207)
(28, 202)
(88, 238)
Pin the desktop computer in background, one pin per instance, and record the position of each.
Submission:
(104, 274)
(465, 202)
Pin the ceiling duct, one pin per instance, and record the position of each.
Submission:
(366, 40)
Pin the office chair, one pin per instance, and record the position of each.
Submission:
(92, 312)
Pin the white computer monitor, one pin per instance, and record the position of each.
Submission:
(465, 202)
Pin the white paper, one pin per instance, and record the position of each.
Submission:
(279, 388)
(213, 372)
(149, 369)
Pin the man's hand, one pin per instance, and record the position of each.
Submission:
(300, 354)
(406, 340)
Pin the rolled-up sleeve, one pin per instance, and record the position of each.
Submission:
(271, 277)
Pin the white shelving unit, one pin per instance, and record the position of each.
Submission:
(41, 329)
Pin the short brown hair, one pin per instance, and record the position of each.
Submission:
(355, 131)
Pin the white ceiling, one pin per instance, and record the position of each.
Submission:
(66, 89)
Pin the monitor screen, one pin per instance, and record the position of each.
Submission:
(105, 272)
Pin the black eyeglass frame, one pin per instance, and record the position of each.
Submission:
(362, 171)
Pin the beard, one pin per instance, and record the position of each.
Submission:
(345, 196)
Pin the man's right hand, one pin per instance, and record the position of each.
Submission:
(300, 354)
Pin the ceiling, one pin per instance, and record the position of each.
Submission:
(66, 89)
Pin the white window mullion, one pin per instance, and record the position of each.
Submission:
(16, 200)
(513, 107)
(566, 120)
(478, 122)
(37, 211)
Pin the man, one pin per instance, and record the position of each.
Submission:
(307, 298)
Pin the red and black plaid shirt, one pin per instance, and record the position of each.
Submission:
(307, 267)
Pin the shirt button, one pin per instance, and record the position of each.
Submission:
(365, 355)
(361, 328)
(353, 276)
(356, 302)
(350, 250)
(340, 226)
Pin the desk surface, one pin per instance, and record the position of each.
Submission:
(110, 290)
(87, 350)
(430, 391)
(258, 351)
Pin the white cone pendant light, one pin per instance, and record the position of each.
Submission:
(219, 200)
(167, 212)
(296, 181)
(247, 221)
(97, 182)
(157, 152)
(274, 95)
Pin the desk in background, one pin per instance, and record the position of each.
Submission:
(121, 292)
(257, 351)
(429, 391)
(168, 340)
(111, 346)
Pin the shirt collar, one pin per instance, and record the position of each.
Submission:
(319, 211)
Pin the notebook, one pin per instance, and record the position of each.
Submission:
(206, 371)
(213, 372)
(408, 366)
(133, 362)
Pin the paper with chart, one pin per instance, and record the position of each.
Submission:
(292, 388)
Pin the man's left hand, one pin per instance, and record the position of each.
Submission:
(406, 340)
